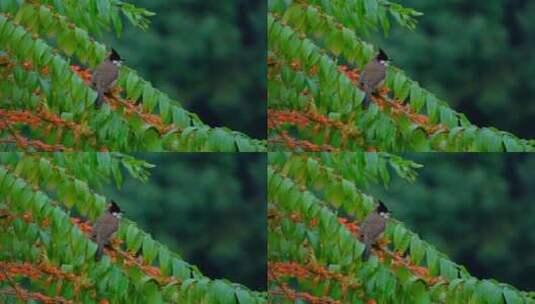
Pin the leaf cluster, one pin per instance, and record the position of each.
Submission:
(40, 195)
(39, 41)
(316, 202)
(311, 44)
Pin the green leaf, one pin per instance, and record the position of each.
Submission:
(104, 8)
(244, 145)
(67, 42)
(117, 22)
(181, 269)
(417, 250)
(448, 270)
(371, 8)
(164, 260)
(432, 261)
(419, 293)
(432, 108)
(417, 97)
(131, 238)
(152, 293)
(488, 141)
(385, 22)
(244, 297)
(219, 140)
(512, 144)
(149, 97)
(419, 140)
(132, 81)
(490, 292)
(164, 107)
(181, 118)
(223, 292)
(116, 171)
(448, 117)
(149, 250)
(151, 140)
(512, 296)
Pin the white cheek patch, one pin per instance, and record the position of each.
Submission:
(117, 215)
(117, 63)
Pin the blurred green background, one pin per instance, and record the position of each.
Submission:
(210, 55)
(477, 208)
(477, 55)
(210, 208)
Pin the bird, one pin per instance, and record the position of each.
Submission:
(373, 76)
(372, 228)
(105, 226)
(105, 76)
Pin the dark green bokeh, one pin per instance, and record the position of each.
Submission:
(477, 55)
(209, 55)
(210, 208)
(477, 208)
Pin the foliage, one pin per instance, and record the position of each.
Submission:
(483, 53)
(315, 204)
(210, 55)
(210, 208)
(39, 193)
(486, 198)
(311, 48)
(48, 104)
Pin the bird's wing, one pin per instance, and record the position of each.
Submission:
(95, 229)
(364, 227)
(94, 76)
(376, 73)
(115, 226)
(111, 224)
(363, 76)
(107, 74)
(373, 226)
(378, 229)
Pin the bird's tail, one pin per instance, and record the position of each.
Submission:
(98, 254)
(100, 100)
(367, 100)
(100, 249)
(366, 253)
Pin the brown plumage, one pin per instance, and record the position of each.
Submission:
(104, 78)
(373, 76)
(372, 227)
(104, 227)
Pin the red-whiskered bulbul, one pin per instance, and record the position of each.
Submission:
(106, 225)
(372, 227)
(105, 75)
(373, 76)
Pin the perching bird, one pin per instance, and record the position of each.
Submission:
(106, 225)
(373, 76)
(373, 227)
(105, 75)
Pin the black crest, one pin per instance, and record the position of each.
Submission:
(382, 56)
(114, 56)
(381, 208)
(114, 208)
